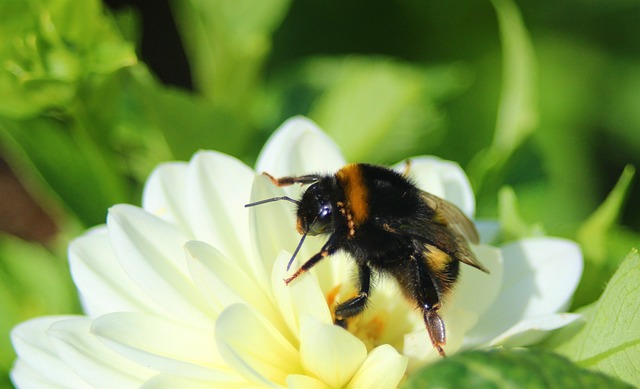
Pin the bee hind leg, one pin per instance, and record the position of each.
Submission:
(357, 304)
(435, 327)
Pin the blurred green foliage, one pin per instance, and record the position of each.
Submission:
(536, 100)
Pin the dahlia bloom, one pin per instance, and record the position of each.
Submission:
(188, 291)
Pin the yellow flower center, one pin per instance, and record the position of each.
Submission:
(385, 320)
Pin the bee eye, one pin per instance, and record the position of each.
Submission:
(322, 220)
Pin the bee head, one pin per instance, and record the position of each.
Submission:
(315, 211)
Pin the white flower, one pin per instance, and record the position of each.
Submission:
(188, 290)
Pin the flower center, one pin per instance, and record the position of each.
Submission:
(386, 319)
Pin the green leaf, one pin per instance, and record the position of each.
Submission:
(226, 43)
(67, 162)
(593, 233)
(513, 226)
(33, 282)
(190, 123)
(610, 339)
(378, 109)
(517, 111)
(515, 368)
(49, 47)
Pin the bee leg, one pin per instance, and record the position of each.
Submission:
(435, 327)
(328, 249)
(426, 292)
(355, 305)
(286, 181)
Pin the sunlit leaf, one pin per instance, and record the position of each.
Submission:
(377, 109)
(513, 226)
(515, 368)
(226, 43)
(517, 111)
(609, 341)
(32, 282)
(593, 233)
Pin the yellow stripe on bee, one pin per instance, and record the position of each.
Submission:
(350, 177)
(436, 258)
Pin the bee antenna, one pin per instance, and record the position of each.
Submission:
(272, 200)
(297, 249)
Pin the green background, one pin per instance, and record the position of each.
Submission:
(537, 100)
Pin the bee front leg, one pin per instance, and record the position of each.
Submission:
(328, 249)
(286, 181)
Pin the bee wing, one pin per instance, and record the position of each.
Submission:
(449, 215)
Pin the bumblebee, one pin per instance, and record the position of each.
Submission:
(389, 227)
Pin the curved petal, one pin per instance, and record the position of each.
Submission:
(168, 381)
(39, 364)
(223, 283)
(164, 194)
(93, 361)
(299, 147)
(297, 381)
(442, 178)
(329, 352)
(475, 290)
(383, 368)
(151, 252)
(301, 297)
(534, 329)
(273, 225)
(218, 187)
(308, 299)
(25, 376)
(254, 348)
(163, 345)
(540, 277)
(103, 285)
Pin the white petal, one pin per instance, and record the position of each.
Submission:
(167, 381)
(330, 352)
(532, 330)
(38, 355)
(98, 365)
(299, 147)
(151, 252)
(25, 376)
(223, 283)
(253, 347)
(273, 225)
(164, 194)
(283, 296)
(297, 381)
(475, 290)
(163, 345)
(383, 368)
(303, 296)
(218, 187)
(540, 277)
(489, 230)
(308, 300)
(442, 178)
(103, 284)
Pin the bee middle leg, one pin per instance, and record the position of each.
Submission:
(355, 305)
